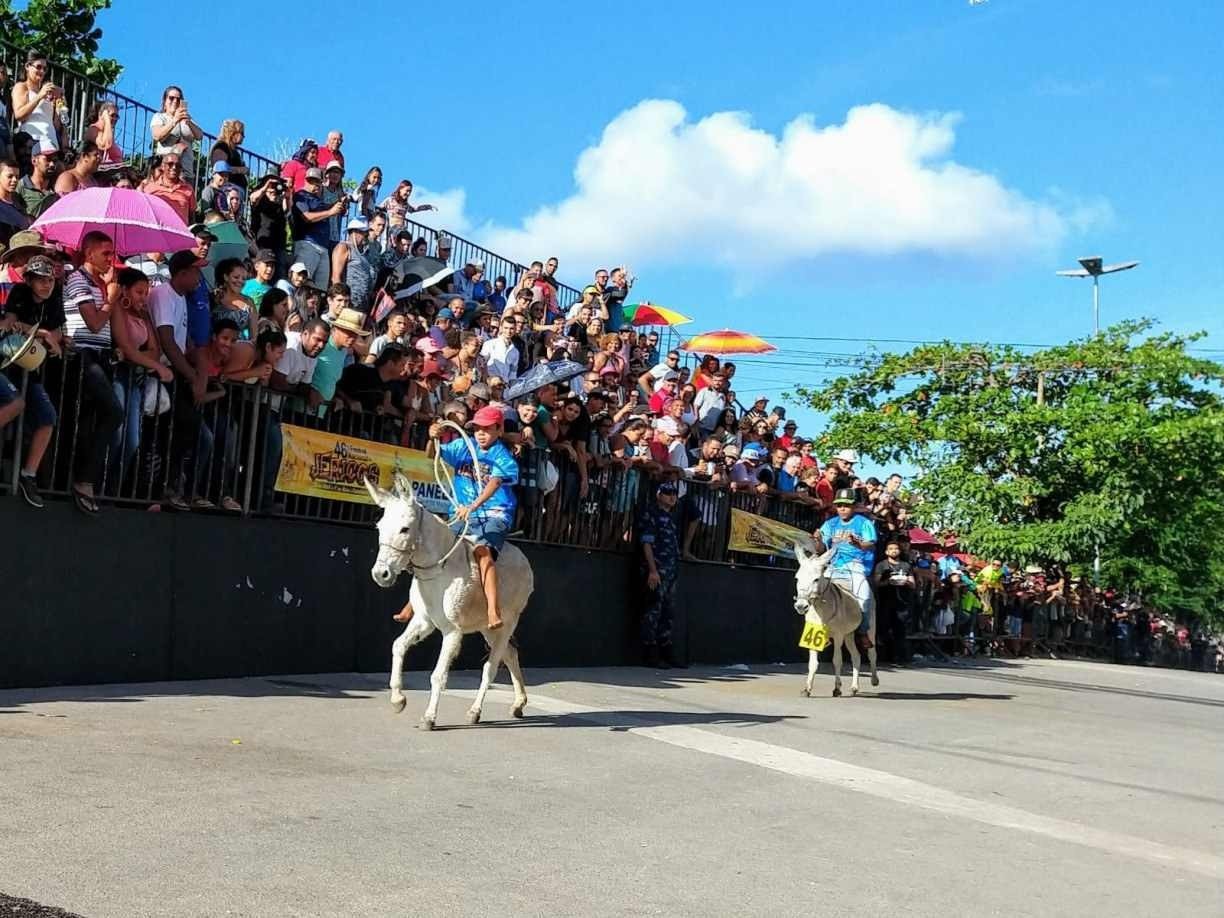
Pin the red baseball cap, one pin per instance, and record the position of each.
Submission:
(431, 368)
(487, 416)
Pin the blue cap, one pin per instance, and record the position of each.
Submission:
(750, 452)
(445, 313)
(221, 166)
(668, 487)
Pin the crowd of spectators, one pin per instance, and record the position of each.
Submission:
(311, 304)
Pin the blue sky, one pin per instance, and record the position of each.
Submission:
(1079, 129)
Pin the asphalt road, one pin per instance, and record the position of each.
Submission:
(1039, 788)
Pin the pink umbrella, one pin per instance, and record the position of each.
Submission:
(136, 222)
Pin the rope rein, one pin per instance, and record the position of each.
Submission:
(446, 481)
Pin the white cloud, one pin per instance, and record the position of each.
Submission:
(661, 189)
(451, 214)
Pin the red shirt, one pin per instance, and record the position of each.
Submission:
(181, 197)
(658, 452)
(294, 173)
(326, 156)
(786, 441)
(824, 491)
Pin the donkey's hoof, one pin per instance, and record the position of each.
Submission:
(426, 723)
(875, 680)
(854, 690)
(836, 693)
(397, 705)
(804, 693)
(473, 717)
(517, 712)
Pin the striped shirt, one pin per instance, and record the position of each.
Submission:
(79, 288)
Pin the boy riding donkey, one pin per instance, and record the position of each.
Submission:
(489, 511)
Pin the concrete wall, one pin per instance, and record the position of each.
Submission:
(132, 596)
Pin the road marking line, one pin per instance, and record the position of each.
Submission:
(886, 786)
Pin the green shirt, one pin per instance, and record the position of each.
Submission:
(254, 291)
(35, 201)
(328, 367)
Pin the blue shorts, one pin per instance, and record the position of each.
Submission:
(39, 411)
(489, 531)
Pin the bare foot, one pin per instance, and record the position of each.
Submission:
(495, 622)
(403, 615)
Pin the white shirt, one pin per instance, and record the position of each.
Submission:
(678, 458)
(377, 345)
(710, 404)
(158, 272)
(294, 365)
(502, 358)
(659, 370)
(170, 309)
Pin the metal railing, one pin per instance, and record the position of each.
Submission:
(132, 133)
(152, 444)
(134, 137)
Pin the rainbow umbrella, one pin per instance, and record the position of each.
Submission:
(727, 341)
(649, 314)
(136, 222)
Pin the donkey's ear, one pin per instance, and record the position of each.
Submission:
(377, 494)
(802, 555)
(403, 487)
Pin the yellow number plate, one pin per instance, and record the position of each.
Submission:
(814, 637)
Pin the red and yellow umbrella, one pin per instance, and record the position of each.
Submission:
(727, 341)
(649, 314)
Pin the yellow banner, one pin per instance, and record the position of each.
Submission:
(320, 464)
(762, 536)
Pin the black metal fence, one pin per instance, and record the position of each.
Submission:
(134, 136)
(133, 133)
(145, 442)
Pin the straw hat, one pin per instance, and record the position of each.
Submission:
(26, 243)
(28, 354)
(352, 320)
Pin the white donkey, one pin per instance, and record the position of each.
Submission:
(447, 595)
(821, 599)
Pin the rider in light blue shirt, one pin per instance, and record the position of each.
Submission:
(835, 533)
(852, 538)
(487, 512)
(495, 462)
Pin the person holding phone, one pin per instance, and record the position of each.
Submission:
(175, 133)
(34, 104)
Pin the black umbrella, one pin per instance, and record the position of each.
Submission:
(543, 374)
(414, 274)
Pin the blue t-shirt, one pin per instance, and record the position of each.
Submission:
(847, 553)
(495, 462)
(949, 565)
(199, 315)
(306, 203)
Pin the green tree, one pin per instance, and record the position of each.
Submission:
(64, 30)
(1115, 442)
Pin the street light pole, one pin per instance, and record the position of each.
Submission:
(1096, 305)
(1093, 266)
